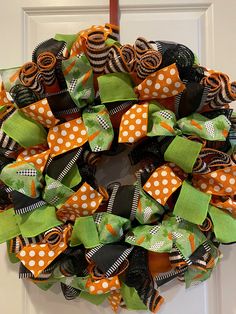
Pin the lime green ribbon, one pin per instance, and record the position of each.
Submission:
(224, 225)
(192, 204)
(24, 130)
(180, 147)
(68, 38)
(8, 225)
(38, 221)
(116, 87)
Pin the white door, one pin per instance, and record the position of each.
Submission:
(208, 28)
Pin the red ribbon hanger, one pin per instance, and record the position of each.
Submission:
(114, 12)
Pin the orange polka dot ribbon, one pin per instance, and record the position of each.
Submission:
(84, 202)
(35, 155)
(115, 299)
(36, 257)
(103, 285)
(162, 183)
(220, 182)
(40, 111)
(162, 84)
(67, 136)
(133, 124)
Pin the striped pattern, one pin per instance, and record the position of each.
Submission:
(46, 62)
(120, 59)
(113, 31)
(113, 268)
(121, 107)
(70, 164)
(176, 258)
(30, 208)
(7, 142)
(163, 278)
(22, 95)
(54, 235)
(97, 51)
(141, 46)
(17, 243)
(148, 64)
(45, 274)
(135, 202)
(221, 91)
(112, 198)
(31, 78)
(118, 262)
(69, 292)
(210, 158)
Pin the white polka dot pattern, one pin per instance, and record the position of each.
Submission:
(133, 124)
(36, 257)
(162, 183)
(161, 84)
(67, 136)
(40, 111)
(220, 182)
(103, 285)
(36, 156)
(82, 203)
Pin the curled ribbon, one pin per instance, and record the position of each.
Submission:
(221, 91)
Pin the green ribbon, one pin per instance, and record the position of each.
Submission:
(82, 76)
(185, 235)
(212, 130)
(192, 204)
(38, 221)
(68, 38)
(131, 298)
(8, 225)
(224, 225)
(161, 122)
(111, 228)
(156, 241)
(192, 274)
(6, 76)
(85, 232)
(74, 281)
(54, 189)
(116, 87)
(99, 127)
(72, 178)
(148, 210)
(24, 130)
(13, 176)
(44, 285)
(180, 147)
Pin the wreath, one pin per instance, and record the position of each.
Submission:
(86, 96)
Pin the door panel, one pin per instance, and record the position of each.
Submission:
(204, 26)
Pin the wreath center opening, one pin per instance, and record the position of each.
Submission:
(115, 168)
